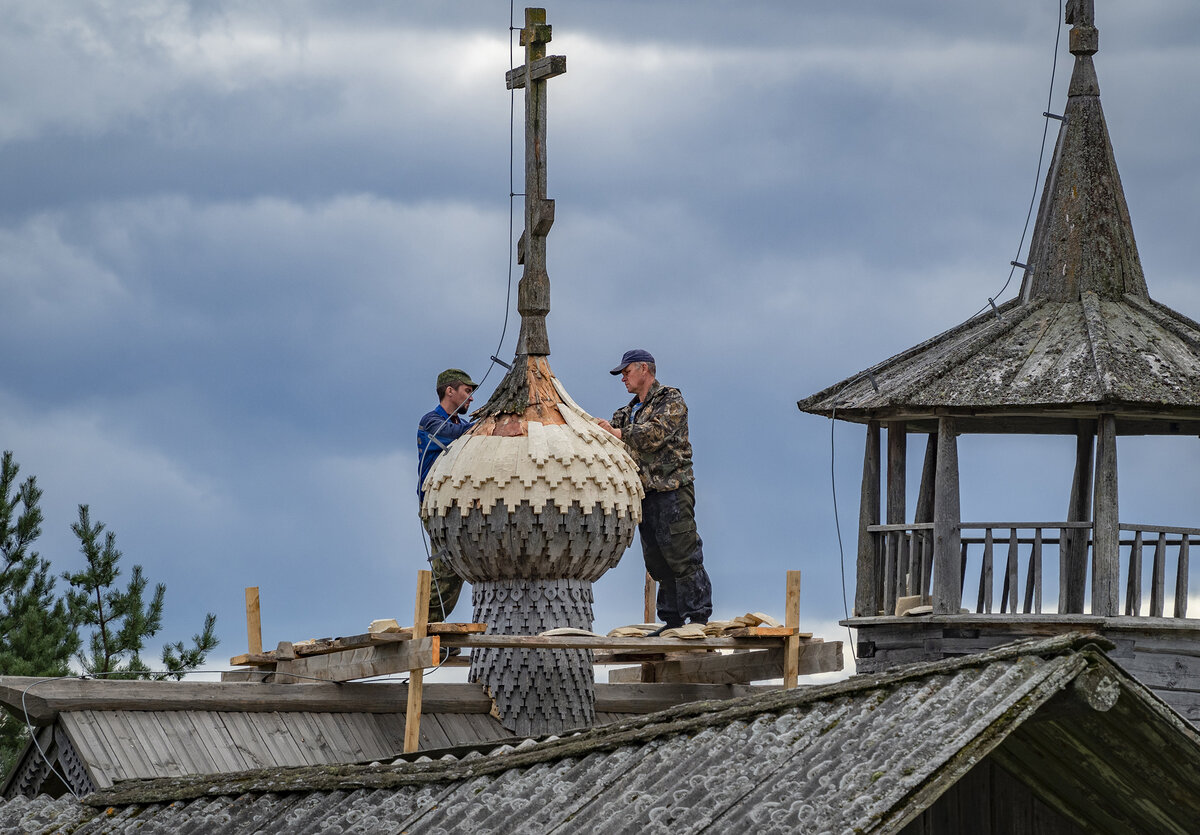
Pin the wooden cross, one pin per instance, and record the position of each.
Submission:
(533, 292)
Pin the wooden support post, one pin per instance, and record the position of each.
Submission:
(791, 646)
(1072, 558)
(924, 513)
(253, 621)
(650, 607)
(1106, 546)
(412, 714)
(947, 582)
(897, 469)
(867, 600)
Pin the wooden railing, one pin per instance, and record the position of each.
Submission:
(1017, 551)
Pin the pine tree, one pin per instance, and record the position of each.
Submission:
(37, 635)
(123, 620)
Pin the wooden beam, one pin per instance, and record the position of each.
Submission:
(412, 716)
(46, 698)
(539, 70)
(647, 698)
(867, 599)
(791, 646)
(602, 642)
(253, 622)
(947, 589)
(1106, 554)
(382, 659)
(734, 667)
(1072, 572)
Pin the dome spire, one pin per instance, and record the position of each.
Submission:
(1083, 240)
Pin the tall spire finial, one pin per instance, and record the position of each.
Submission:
(533, 292)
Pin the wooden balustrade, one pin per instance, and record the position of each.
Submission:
(904, 564)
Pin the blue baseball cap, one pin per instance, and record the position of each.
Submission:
(635, 355)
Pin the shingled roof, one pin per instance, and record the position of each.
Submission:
(869, 754)
(1083, 337)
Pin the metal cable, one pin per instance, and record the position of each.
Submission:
(1037, 178)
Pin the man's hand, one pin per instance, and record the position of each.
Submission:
(608, 427)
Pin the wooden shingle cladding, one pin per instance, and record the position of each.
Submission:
(1039, 368)
(1048, 730)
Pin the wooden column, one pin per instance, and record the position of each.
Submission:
(1106, 531)
(867, 590)
(924, 511)
(1072, 558)
(897, 467)
(947, 569)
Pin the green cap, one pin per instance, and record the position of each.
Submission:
(455, 377)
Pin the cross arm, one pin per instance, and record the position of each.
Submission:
(541, 69)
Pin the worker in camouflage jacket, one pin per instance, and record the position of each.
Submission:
(654, 427)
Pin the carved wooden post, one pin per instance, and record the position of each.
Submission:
(947, 570)
(1073, 552)
(1106, 548)
(867, 591)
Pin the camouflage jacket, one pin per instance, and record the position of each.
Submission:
(657, 437)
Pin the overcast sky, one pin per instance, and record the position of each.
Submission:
(238, 241)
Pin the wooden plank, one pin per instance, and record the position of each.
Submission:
(897, 469)
(791, 647)
(1033, 580)
(192, 758)
(1157, 575)
(768, 631)
(102, 764)
(868, 597)
(946, 520)
(248, 742)
(125, 745)
(649, 602)
(376, 660)
(309, 735)
(74, 694)
(253, 621)
(147, 729)
(648, 698)
(1181, 580)
(601, 642)
(412, 715)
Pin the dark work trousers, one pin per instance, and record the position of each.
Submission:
(444, 590)
(674, 555)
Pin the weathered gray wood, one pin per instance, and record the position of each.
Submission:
(946, 519)
(734, 668)
(1133, 581)
(647, 698)
(890, 558)
(381, 659)
(984, 604)
(868, 591)
(1072, 578)
(1181, 580)
(73, 694)
(1106, 557)
(897, 469)
(1157, 575)
(1009, 599)
(1033, 585)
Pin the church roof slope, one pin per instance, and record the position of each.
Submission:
(868, 754)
